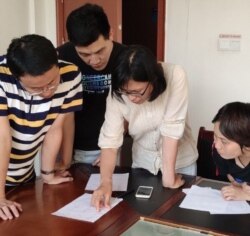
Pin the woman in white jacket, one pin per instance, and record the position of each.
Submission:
(153, 98)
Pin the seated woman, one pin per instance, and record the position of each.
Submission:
(232, 144)
(153, 98)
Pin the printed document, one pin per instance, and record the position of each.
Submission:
(120, 182)
(81, 209)
(211, 200)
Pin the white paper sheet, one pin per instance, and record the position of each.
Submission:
(81, 209)
(120, 182)
(211, 200)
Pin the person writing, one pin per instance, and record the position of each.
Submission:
(153, 98)
(37, 92)
(232, 149)
(92, 49)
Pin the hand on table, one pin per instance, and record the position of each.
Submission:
(101, 196)
(246, 188)
(9, 209)
(176, 183)
(236, 191)
(233, 192)
(58, 178)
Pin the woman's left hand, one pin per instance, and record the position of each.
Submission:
(233, 192)
(176, 183)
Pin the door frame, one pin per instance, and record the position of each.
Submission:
(61, 30)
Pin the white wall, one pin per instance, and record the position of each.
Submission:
(192, 30)
(45, 15)
(14, 21)
(20, 17)
(215, 77)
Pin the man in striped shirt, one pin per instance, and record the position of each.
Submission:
(37, 93)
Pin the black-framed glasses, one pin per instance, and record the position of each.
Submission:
(133, 93)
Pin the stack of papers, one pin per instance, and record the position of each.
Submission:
(211, 200)
(81, 209)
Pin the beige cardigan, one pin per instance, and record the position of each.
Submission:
(148, 122)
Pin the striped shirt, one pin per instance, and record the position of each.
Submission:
(31, 117)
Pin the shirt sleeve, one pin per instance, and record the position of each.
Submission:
(73, 99)
(111, 135)
(173, 123)
(3, 103)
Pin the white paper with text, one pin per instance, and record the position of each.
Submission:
(81, 209)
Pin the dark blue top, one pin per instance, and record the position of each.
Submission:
(228, 166)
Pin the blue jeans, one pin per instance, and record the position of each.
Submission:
(88, 157)
(188, 170)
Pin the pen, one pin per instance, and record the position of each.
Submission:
(239, 181)
(235, 180)
(125, 193)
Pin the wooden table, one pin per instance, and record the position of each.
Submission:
(40, 200)
(222, 224)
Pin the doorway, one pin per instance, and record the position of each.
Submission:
(133, 21)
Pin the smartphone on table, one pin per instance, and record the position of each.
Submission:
(144, 192)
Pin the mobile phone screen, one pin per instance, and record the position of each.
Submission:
(144, 192)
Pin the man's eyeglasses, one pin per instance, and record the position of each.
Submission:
(44, 90)
(36, 92)
(136, 94)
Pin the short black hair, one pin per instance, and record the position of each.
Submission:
(85, 25)
(234, 121)
(31, 54)
(139, 64)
